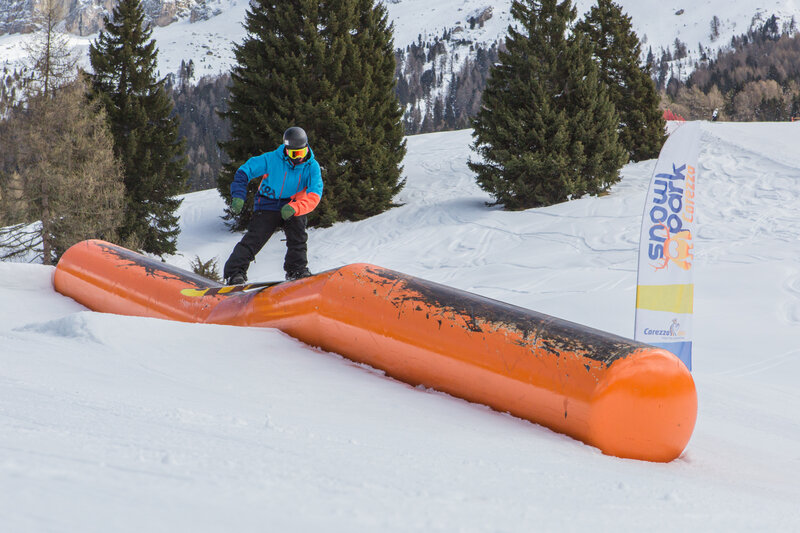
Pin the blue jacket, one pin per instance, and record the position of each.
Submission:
(281, 182)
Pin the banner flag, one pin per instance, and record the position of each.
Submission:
(664, 289)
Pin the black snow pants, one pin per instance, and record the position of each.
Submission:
(261, 227)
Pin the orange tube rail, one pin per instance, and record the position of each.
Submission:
(628, 399)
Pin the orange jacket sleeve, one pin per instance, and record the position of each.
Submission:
(304, 202)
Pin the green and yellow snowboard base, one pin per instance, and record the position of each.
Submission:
(227, 289)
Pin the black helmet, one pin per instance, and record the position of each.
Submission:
(295, 138)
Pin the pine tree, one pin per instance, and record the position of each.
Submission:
(145, 134)
(630, 85)
(61, 174)
(363, 144)
(328, 68)
(58, 176)
(715, 27)
(547, 131)
(52, 63)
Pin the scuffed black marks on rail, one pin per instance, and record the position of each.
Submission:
(156, 269)
(553, 335)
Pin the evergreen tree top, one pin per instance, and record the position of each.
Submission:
(123, 57)
(610, 29)
(618, 51)
(544, 20)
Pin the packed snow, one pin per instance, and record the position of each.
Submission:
(113, 423)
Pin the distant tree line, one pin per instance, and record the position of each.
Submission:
(199, 107)
(11, 87)
(756, 78)
(435, 96)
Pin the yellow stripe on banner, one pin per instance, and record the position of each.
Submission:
(672, 298)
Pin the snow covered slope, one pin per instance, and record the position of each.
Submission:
(658, 23)
(111, 423)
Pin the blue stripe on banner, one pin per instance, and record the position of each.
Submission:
(682, 349)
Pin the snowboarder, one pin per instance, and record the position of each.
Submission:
(290, 187)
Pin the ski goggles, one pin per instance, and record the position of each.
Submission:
(299, 153)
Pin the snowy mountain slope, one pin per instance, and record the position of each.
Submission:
(208, 42)
(82, 17)
(131, 424)
(656, 22)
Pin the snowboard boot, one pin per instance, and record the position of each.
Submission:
(298, 274)
(237, 279)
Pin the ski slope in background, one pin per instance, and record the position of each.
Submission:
(111, 423)
(209, 43)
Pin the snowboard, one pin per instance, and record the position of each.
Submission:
(227, 289)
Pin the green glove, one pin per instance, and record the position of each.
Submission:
(287, 212)
(236, 205)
